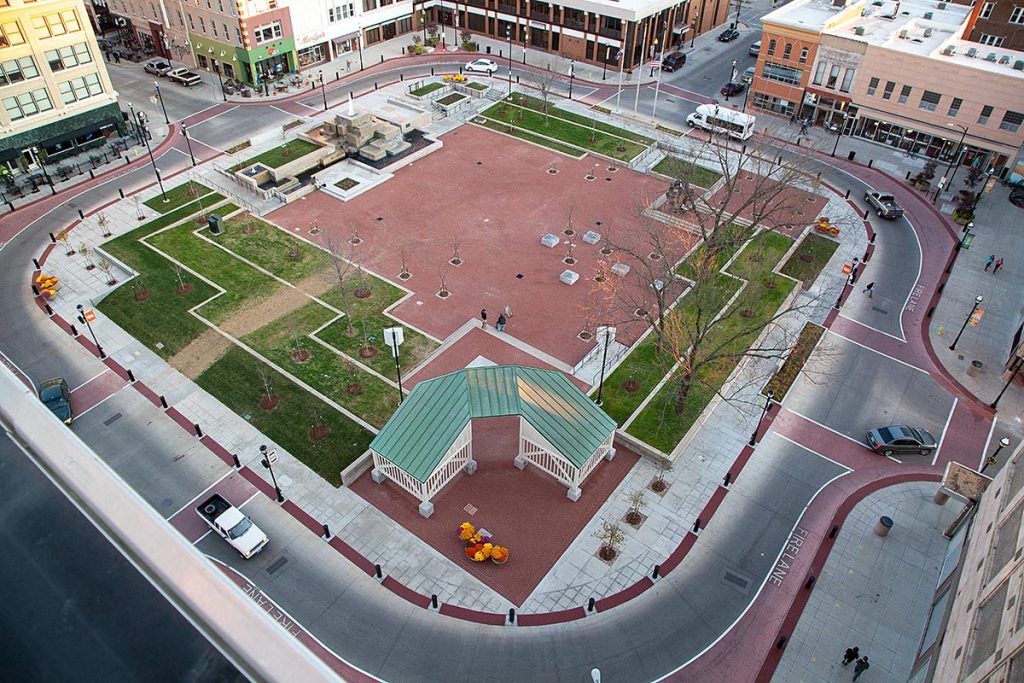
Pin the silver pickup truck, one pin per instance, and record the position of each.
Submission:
(884, 204)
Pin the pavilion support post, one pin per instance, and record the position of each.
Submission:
(377, 475)
(574, 493)
(471, 466)
(520, 462)
(609, 454)
(426, 508)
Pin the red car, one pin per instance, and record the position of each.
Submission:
(730, 89)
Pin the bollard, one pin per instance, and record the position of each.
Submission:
(810, 582)
(834, 532)
(867, 257)
(81, 215)
(591, 604)
(872, 240)
(350, 94)
(199, 431)
(696, 525)
(35, 290)
(120, 192)
(870, 162)
(91, 174)
(327, 532)
(375, 84)
(377, 571)
(460, 70)
(234, 456)
(35, 262)
(865, 214)
(431, 71)
(883, 526)
(49, 311)
(54, 239)
(74, 331)
(163, 403)
(798, 141)
(433, 600)
(782, 643)
(127, 160)
(727, 480)
(511, 615)
(930, 312)
(908, 175)
(847, 195)
(517, 79)
(839, 302)
(131, 376)
(382, 59)
(52, 188)
(337, 75)
(940, 288)
(656, 574)
(401, 77)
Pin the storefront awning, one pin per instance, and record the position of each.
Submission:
(828, 94)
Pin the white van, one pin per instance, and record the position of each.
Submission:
(722, 120)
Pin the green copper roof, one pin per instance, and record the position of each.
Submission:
(436, 411)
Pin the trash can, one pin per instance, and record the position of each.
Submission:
(215, 223)
(975, 369)
(488, 49)
(883, 526)
(852, 155)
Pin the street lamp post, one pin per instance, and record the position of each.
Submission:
(84, 319)
(160, 97)
(188, 143)
(572, 74)
(152, 159)
(764, 411)
(1003, 443)
(977, 198)
(269, 457)
(977, 302)
(839, 133)
(654, 51)
(604, 362)
(423, 24)
(696, 16)
(956, 156)
(508, 34)
(220, 79)
(323, 88)
(444, 45)
(1017, 366)
(359, 42)
(526, 39)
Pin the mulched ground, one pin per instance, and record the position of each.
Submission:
(526, 511)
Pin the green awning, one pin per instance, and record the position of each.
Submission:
(429, 420)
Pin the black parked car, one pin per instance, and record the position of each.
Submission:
(673, 61)
(728, 35)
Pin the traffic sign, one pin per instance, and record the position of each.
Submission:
(847, 268)
(90, 315)
(976, 316)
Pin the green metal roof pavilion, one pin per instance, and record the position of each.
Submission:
(428, 421)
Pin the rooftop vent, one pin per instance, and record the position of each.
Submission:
(1019, 65)
(928, 15)
(1005, 59)
(942, 5)
(928, 32)
(990, 57)
(972, 52)
(859, 30)
(903, 34)
(949, 50)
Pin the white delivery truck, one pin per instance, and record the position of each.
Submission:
(722, 120)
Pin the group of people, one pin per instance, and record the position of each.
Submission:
(862, 665)
(500, 323)
(993, 263)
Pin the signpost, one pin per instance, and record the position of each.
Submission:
(394, 336)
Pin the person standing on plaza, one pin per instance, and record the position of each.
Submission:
(851, 654)
(997, 266)
(500, 324)
(861, 667)
(989, 261)
(483, 318)
(870, 290)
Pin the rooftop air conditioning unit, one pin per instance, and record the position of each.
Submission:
(928, 15)
(903, 34)
(928, 32)
(991, 57)
(942, 5)
(972, 52)
(1019, 65)
(949, 51)
(859, 30)
(1005, 59)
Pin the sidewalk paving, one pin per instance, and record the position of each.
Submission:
(873, 593)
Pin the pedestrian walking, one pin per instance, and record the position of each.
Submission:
(803, 127)
(851, 654)
(989, 261)
(500, 324)
(997, 266)
(861, 666)
(508, 311)
(348, 65)
(483, 318)
(870, 290)
(117, 57)
(106, 54)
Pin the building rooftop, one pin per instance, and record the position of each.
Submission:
(920, 27)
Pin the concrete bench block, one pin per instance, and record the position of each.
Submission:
(620, 269)
(569, 277)
(550, 241)
(591, 237)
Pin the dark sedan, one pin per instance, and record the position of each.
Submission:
(673, 61)
(55, 395)
(901, 439)
(728, 35)
(730, 89)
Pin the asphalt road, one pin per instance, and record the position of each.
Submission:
(74, 608)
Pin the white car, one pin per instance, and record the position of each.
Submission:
(482, 65)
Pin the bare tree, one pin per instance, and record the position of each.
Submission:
(544, 82)
(344, 270)
(658, 484)
(611, 537)
(86, 251)
(104, 223)
(64, 237)
(107, 268)
(456, 241)
(634, 515)
(442, 275)
(403, 254)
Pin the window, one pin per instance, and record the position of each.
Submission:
(1011, 121)
(872, 86)
(369, 5)
(771, 47)
(202, 24)
(994, 41)
(1017, 16)
(80, 88)
(954, 107)
(833, 76)
(191, 23)
(986, 10)
(56, 24)
(847, 80)
(788, 52)
(27, 104)
(904, 94)
(213, 27)
(819, 73)
(220, 7)
(267, 33)
(782, 74)
(10, 34)
(930, 100)
(225, 27)
(238, 35)
(202, 62)
(17, 70)
(887, 94)
(68, 57)
(803, 55)
(986, 112)
(181, 18)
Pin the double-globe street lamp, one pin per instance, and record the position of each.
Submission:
(508, 34)
(141, 121)
(991, 460)
(188, 143)
(269, 456)
(160, 97)
(977, 302)
(769, 395)
(947, 180)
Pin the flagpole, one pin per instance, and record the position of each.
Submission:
(640, 71)
(621, 56)
(657, 89)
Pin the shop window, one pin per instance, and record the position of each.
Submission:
(872, 86)
(372, 36)
(1011, 121)
(202, 61)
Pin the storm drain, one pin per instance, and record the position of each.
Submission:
(112, 419)
(876, 309)
(278, 563)
(734, 580)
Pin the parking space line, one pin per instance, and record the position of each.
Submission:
(826, 427)
(200, 494)
(811, 450)
(98, 403)
(988, 442)
(942, 439)
(104, 371)
(863, 324)
(873, 350)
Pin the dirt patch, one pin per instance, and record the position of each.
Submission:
(252, 318)
(200, 353)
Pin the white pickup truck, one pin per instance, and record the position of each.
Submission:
(234, 527)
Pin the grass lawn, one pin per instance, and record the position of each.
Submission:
(574, 152)
(578, 135)
(178, 197)
(277, 157)
(244, 284)
(427, 89)
(809, 258)
(588, 122)
(451, 99)
(234, 379)
(283, 255)
(163, 317)
(658, 424)
(783, 379)
(730, 238)
(326, 371)
(476, 85)
(687, 171)
(367, 312)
